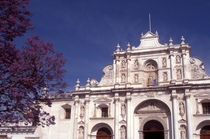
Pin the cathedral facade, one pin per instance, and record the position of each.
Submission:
(151, 91)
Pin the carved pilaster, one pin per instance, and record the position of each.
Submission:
(174, 110)
(187, 99)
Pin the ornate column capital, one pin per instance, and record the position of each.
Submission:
(76, 99)
(187, 96)
(128, 96)
(173, 94)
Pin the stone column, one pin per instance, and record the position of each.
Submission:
(116, 116)
(186, 63)
(128, 82)
(183, 65)
(128, 115)
(197, 106)
(109, 110)
(171, 67)
(174, 114)
(114, 70)
(117, 75)
(87, 100)
(76, 107)
(187, 98)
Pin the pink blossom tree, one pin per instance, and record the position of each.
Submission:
(26, 72)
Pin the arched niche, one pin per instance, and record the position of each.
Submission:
(152, 106)
(202, 124)
(151, 72)
(153, 110)
(96, 128)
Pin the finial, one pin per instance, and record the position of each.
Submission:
(77, 84)
(150, 27)
(182, 40)
(129, 45)
(170, 41)
(118, 47)
(142, 34)
(88, 82)
(156, 33)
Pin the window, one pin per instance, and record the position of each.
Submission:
(68, 113)
(67, 109)
(206, 108)
(104, 112)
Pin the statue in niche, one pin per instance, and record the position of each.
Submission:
(123, 64)
(136, 64)
(165, 76)
(123, 77)
(150, 81)
(181, 109)
(178, 59)
(122, 132)
(179, 74)
(81, 133)
(164, 63)
(183, 134)
(82, 111)
(94, 110)
(123, 110)
(136, 78)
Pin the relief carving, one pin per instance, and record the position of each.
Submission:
(82, 111)
(107, 78)
(123, 110)
(181, 109)
(94, 82)
(178, 59)
(123, 64)
(151, 107)
(197, 69)
(164, 62)
(183, 134)
(123, 78)
(165, 76)
(179, 74)
(136, 78)
(122, 132)
(136, 64)
(81, 133)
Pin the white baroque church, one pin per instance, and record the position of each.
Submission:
(151, 91)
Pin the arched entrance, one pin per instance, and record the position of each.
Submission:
(153, 130)
(205, 132)
(103, 133)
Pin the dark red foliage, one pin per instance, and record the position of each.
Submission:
(26, 72)
(14, 19)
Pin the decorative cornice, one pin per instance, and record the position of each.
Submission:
(17, 129)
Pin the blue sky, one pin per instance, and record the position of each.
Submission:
(87, 31)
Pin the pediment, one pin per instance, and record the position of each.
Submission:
(149, 40)
(102, 100)
(149, 34)
(123, 122)
(81, 123)
(182, 121)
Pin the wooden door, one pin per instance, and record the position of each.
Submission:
(103, 133)
(205, 132)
